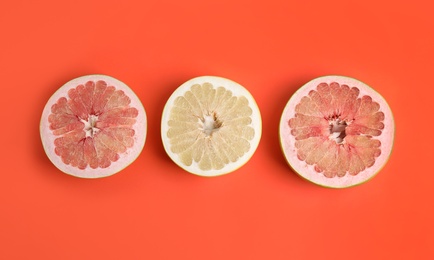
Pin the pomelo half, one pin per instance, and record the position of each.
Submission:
(93, 126)
(210, 126)
(336, 131)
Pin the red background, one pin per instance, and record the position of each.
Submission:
(155, 210)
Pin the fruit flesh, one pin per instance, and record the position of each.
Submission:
(210, 127)
(336, 131)
(93, 125)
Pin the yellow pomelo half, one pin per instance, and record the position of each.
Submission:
(210, 126)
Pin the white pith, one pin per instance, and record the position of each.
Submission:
(337, 129)
(89, 125)
(140, 128)
(307, 171)
(208, 125)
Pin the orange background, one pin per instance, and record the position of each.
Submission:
(155, 210)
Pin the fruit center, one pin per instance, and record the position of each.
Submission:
(90, 125)
(337, 130)
(210, 124)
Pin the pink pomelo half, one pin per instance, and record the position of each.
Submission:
(336, 131)
(93, 126)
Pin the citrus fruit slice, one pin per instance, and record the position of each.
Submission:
(93, 126)
(210, 126)
(336, 131)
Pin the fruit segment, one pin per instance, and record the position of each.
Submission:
(93, 124)
(335, 130)
(210, 126)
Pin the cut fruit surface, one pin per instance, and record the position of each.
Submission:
(210, 126)
(336, 131)
(93, 126)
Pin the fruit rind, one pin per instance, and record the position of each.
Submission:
(237, 90)
(306, 171)
(140, 128)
